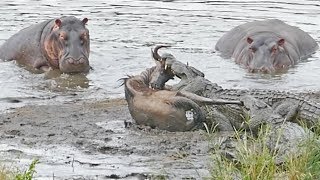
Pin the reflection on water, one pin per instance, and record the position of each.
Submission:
(123, 31)
(68, 82)
(63, 82)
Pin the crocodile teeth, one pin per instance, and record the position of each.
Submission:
(165, 67)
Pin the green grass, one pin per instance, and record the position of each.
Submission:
(7, 173)
(254, 161)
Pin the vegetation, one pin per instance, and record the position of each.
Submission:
(254, 161)
(9, 174)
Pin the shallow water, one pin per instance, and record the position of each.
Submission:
(122, 33)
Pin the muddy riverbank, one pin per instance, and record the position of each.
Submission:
(89, 140)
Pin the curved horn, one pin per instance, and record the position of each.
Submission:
(155, 53)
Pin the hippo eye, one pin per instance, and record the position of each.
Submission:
(63, 37)
(274, 49)
(253, 49)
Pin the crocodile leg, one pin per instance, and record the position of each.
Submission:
(288, 110)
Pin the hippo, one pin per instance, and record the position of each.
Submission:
(61, 43)
(266, 46)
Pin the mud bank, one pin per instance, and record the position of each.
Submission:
(89, 140)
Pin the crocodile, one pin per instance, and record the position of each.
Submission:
(293, 107)
(283, 110)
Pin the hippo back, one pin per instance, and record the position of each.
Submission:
(26, 40)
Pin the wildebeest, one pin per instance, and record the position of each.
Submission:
(152, 105)
(61, 43)
(266, 46)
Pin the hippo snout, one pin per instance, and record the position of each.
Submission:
(73, 65)
(76, 61)
(261, 69)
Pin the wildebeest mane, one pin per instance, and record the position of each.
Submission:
(138, 83)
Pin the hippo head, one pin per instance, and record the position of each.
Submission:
(162, 72)
(266, 54)
(67, 46)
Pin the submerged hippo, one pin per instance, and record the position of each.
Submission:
(53, 44)
(266, 46)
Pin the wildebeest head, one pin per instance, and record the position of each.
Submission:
(162, 72)
(266, 54)
(68, 45)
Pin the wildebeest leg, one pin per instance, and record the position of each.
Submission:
(189, 106)
(204, 100)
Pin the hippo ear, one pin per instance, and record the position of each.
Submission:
(249, 40)
(281, 42)
(58, 22)
(84, 21)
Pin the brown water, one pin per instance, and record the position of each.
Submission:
(122, 33)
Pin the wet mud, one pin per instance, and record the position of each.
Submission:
(97, 140)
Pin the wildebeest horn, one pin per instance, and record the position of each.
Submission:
(155, 54)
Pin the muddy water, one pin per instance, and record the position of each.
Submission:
(122, 33)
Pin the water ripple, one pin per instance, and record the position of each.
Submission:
(122, 33)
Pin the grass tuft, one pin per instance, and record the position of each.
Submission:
(7, 173)
(28, 174)
(254, 161)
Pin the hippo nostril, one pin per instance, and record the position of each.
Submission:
(71, 61)
(81, 61)
(250, 70)
(76, 61)
(264, 70)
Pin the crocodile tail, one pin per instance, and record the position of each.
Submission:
(188, 105)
